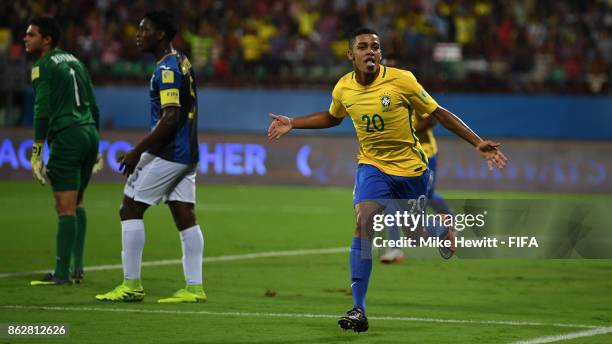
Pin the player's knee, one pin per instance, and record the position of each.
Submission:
(183, 214)
(361, 229)
(184, 225)
(65, 203)
(364, 221)
(124, 212)
(64, 209)
(130, 211)
(185, 220)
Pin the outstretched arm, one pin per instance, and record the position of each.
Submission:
(166, 127)
(281, 124)
(487, 149)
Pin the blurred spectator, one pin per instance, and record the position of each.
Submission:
(201, 44)
(505, 46)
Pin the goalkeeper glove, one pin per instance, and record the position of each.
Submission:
(99, 165)
(38, 166)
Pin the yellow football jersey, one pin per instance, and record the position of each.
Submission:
(426, 138)
(382, 113)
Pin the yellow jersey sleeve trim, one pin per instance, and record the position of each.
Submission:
(337, 111)
(170, 96)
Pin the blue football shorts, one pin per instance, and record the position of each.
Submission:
(371, 184)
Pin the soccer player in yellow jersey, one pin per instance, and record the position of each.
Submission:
(423, 129)
(381, 102)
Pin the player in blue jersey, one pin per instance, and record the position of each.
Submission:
(162, 166)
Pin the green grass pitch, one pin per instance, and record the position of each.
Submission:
(285, 298)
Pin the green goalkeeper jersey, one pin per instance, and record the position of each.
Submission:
(64, 95)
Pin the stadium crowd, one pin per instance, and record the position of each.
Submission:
(522, 46)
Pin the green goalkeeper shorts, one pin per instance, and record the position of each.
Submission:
(72, 155)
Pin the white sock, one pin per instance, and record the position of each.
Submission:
(192, 243)
(132, 244)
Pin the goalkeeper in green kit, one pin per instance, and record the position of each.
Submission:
(67, 116)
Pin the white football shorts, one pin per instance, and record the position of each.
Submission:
(155, 179)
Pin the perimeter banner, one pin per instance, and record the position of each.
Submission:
(556, 166)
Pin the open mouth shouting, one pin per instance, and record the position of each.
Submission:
(370, 62)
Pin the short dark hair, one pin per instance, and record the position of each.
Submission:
(360, 31)
(48, 27)
(163, 21)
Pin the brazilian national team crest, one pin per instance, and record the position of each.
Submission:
(385, 101)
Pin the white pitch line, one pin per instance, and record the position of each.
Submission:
(263, 208)
(267, 255)
(568, 336)
(288, 315)
(247, 256)
(485, 322)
